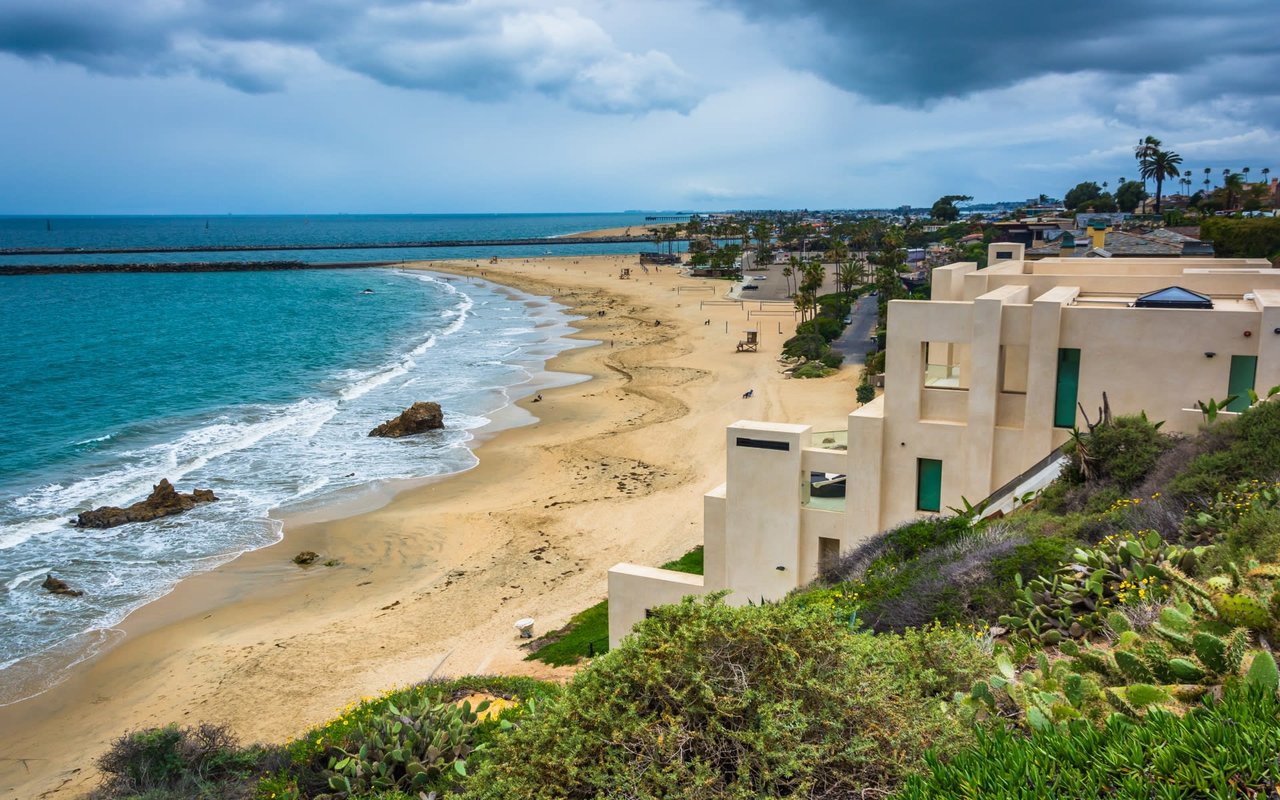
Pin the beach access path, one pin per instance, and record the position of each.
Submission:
(612, 469)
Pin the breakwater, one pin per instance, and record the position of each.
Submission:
(246, 248)
(197, 266)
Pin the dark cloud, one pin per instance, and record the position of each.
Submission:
(912, 52)
(480, 49)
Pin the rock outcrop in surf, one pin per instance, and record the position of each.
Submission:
(417, 418)
(55, 586)
(163, 501)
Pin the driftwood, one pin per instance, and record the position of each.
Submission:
(1082, 453)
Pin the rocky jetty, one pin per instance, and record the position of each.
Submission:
(417, 418)
(56, 586)
(163, 501)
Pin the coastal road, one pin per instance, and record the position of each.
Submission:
(856, 340)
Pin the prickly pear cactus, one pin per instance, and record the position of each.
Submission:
(1075, 600)
(406, 749)
(1242, 611)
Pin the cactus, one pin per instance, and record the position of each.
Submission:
(407, 750)
(1242, 611)
(1184, 671)
(1141, 695)
(1262, 672)
(1219, 583)
(1072, 602)
(1211, 651)
(1131, 666)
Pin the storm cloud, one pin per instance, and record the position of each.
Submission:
(484, 50)
(914, 52)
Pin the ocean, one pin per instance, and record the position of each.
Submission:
(259, 385)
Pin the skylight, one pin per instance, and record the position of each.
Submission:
(1173, 297)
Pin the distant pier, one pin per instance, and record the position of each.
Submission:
(247, 248)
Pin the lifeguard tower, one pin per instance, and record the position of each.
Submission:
(625, 274)
(749, 344)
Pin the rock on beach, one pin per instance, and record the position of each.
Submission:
(163, 501)
(417, 418)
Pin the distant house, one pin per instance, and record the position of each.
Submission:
(1100, 240)
(1031, 232)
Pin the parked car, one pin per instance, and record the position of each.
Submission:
(750, 287)
(758, 277)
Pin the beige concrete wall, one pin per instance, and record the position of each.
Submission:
(1234, 284)
(813, 525)
(634, 589)
(1153, 359)
(762, 515)
(863, 497)
(714, 545)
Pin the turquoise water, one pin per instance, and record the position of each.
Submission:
(259, 385)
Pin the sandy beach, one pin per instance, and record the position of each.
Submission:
(636, 231)
(613, 469)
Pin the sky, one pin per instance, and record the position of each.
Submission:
(440, 106)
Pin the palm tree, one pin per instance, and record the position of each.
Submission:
(838, 254)
(848, 275)
(1161, 164)
(1265, 172)
(1145, 150)
(1233, 184)
(1246, 174)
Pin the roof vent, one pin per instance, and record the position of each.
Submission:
(1173, 297)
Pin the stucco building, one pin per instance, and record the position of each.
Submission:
(983, 382)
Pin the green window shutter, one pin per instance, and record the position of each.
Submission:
(1243, 370)
(1064, 403)
(928, 484)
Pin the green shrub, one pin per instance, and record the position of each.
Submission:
(1121, 451)
(173, 762)
(1254, 237)
(1255, 536)
(829, 328)
(832, 359)
(875, 362)
(805, 345)
(708, 701)
(835, 305)
(1220, 750)
(812, 369)
(1243, 448)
